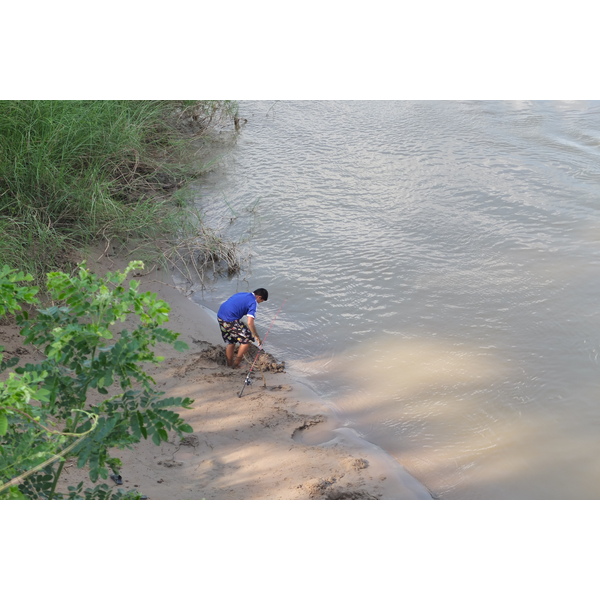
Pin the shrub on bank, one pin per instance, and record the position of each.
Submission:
(47, 414)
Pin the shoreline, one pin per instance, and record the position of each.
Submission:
(278, 441)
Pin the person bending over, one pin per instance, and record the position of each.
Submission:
(233, 330)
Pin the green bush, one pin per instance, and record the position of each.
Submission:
(45, 411)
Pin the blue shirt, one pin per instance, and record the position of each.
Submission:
(238, 306)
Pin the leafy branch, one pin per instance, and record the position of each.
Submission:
(83, 354)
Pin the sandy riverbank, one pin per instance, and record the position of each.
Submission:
(275, 442)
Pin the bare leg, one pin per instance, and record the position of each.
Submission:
(229, 350)
(240, 354)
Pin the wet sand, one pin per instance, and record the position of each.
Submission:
(276, 442)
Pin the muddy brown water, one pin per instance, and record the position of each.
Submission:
(439, 263)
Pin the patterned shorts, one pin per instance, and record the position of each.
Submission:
(235, 332)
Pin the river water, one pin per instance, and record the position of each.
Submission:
(438, 267)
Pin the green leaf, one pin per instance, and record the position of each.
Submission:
(143, 430)
(135, 425)
(7, 364)
(84, 452)
(3, 424)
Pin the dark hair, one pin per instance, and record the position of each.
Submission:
(262, 293)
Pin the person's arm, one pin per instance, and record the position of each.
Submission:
(252, 329)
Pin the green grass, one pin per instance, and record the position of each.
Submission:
(77, 172)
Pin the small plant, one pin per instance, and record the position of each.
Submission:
(46, 414)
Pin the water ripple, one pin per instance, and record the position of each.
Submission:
(462, 236)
